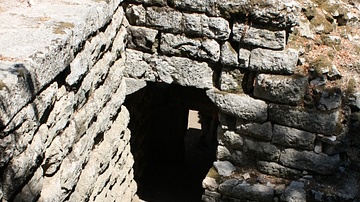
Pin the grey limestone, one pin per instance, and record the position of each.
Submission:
(280, 88)
(229, 55)
(231, 80)
(276, 62)
(239, 105)
(235, 188)
(292, 137)
(178, 45)
(263, 150)
(308, 160)
(258, 37)
(164, 19)
(295, 192)
(278, 170)
(224, 168)
(200, 25)
(258, 130)
(306, 119)
(142, 38)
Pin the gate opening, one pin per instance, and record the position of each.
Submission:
(172, 148)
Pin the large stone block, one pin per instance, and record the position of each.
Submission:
(312, 120)
(307, 160)
(142, 38)
(202, 25)
(178, 45)
(136, 15)
(235, 188)
(241, 106)
(262, 150)
(230, 138)
(281, 89)
(259, 37)
(164, 19)
(277, 170)
(231, 80)
(292, 137)
(277, 62)
(190, 5)
(262, 131)
(294, 193)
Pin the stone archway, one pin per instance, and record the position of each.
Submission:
(169, 163)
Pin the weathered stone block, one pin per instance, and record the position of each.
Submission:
(229, 55)
(235, 188)
(231, 80)
(244, 57)
(224, 168)
(281, 89)
(136, 15)
(189, 5)
(149, 2)
(263, 150)
(312, 120)
(294, 193)
(307, 160)
(262, 131)
(241, 106)
(329, 100)
(142, 38)
(164, 19)
(277, 170)
(292, 137)
(203, 49)
(277, 62)
(259, 37)
(230, 138)
(201, 25)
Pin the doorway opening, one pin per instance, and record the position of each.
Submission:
(172, 150)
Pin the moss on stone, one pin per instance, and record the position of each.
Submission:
(321, 24)
(320, 64)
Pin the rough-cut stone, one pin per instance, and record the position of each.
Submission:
(231, 80)
(278, 170)
(263, 150)
(136, 15)
(244, 57)
(133, 85)
(262, 131)
(280, 89)
(202, 25)
(224, 168)
(292, 137)
(241, 106)
(149, 2)
(229, 55)
(277, 62)
(142, 38)
(307, 160)
(259, 37)
(189, 5)
(164, 19)
(230, 138)
(210, 183)
(257, 192)
(203, 49)
(295, 192)
(323, 122)
(178, 70)
(329, 100)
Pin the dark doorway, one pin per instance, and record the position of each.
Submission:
(170, 162)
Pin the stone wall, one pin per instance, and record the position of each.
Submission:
(64, 133)
(283, 74)
(285, 111)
